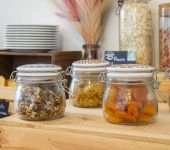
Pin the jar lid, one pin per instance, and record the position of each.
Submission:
(132, 71)
(130, 68)
(38, 70)
(90, 65)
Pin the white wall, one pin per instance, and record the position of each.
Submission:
(43, 12)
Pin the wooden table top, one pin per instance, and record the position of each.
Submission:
(91, 122)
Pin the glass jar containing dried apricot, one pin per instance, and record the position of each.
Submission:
(130, 96)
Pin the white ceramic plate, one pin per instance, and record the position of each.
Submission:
(28, 30)
(30, 38)
(32, 26)
(29, 47)
(29, 35)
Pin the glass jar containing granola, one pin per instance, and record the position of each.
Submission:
(130, 96)
(164, 36)
(85, 91)
(136, 29)
(39, 94)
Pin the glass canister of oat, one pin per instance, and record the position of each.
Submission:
(136, 29)
(130, 94)
(39, 94)
(164, 36)
(85, 91)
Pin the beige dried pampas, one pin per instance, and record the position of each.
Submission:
(87, 16)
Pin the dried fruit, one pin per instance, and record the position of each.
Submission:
(149, 109)
(140, 93)
(129, 104)
(125, 116)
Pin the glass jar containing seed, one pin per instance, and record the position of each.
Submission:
(85, 90)
(136, 29)
(39, 94)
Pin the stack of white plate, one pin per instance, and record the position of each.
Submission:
(31, 37)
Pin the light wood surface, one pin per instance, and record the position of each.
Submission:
(84, 129)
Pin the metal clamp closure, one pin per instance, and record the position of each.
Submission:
(156, 85)
(69, 70)
(13, 76)
(65, 88)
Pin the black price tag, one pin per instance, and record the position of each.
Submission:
(121, 57)
(4, 109)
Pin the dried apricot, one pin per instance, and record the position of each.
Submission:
(137, 104)
(149, 109)
(144, 118)
(140, 92)
(111, 116)
(125, 116)
(133, 110)
(113, 93)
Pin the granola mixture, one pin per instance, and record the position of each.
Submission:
(39, 103)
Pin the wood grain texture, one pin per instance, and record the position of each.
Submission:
(7, 93)
(84, 129)
(10, 60)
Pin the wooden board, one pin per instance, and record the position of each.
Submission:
(7, 93)
(84, 129)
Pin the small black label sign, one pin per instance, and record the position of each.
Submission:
(121, 57)
(4, 109)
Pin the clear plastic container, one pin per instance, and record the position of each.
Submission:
(85, 91)
(164, 36)
(129, 97)
(136, 29)
(39, 94)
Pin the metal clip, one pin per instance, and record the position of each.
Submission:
(65, 88)
(69, 70)
(102, 77)
(62, 75)
(13, 76)
(156, 84)
(120, 4)
(167, 74)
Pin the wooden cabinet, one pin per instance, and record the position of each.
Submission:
(10, 60)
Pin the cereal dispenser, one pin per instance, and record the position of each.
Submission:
(164, 36)
(136, 29)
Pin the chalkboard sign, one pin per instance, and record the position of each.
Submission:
(4, 109)
(121, 57)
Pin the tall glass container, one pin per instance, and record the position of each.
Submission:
(136, 29)
(164, 36)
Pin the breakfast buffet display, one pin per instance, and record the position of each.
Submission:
(127, 93)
